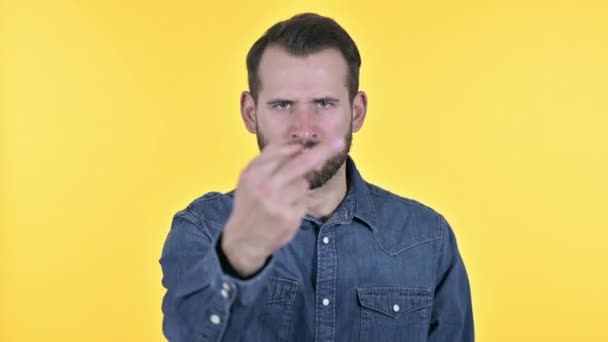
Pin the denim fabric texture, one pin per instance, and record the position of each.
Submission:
(381, 268)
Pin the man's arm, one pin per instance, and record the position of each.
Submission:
(452, 316)
(205, 299)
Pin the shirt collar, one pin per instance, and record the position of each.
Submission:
(356, 204)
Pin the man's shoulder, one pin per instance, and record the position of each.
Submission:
(406, 217)
(213, 207)
(385, 198)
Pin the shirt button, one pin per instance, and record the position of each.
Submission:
(224, 293)
(215, 319)
(326, 240)
(325, 301)
(225, 286)
(396, 308)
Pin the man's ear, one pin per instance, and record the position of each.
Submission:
(359, 110)
(248, 111)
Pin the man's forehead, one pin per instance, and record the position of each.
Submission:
(325, 68)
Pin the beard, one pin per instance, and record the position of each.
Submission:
(318, 178)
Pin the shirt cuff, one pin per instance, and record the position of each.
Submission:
(246, 289)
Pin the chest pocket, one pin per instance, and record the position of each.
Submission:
(275, 318)
(394, 313)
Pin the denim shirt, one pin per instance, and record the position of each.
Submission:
(381, 268)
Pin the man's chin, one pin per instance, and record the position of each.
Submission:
(315, 180)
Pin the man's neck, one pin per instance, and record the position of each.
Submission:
(323, 201)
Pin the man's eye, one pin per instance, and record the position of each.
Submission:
(282, 105)
(325, 104)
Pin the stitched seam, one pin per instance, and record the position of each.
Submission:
(443, 231)
(407, 248)
(398, 314)
(377, 191)
(209, 221)
(196, 221)
(373, 209)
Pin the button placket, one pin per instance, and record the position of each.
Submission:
(325, 315)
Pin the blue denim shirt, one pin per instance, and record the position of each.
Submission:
(381, 268)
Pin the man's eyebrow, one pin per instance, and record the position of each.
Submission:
(279, 100)
(326, 99)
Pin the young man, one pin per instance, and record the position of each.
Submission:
(304, 249)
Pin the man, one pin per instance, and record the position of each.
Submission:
(304, 249)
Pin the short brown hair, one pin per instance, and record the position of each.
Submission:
(301, 35)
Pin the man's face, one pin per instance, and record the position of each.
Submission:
(304, 100)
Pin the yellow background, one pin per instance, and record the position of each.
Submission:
(116, 114)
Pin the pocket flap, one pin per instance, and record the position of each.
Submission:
(394, 301)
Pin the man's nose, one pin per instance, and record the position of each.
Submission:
(304, 125)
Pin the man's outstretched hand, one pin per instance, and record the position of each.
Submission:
(270, 201)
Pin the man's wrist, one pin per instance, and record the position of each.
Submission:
(238, 260)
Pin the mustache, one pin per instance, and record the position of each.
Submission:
(306, 143)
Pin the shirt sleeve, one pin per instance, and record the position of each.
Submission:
(452, 313)
(205, 300)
